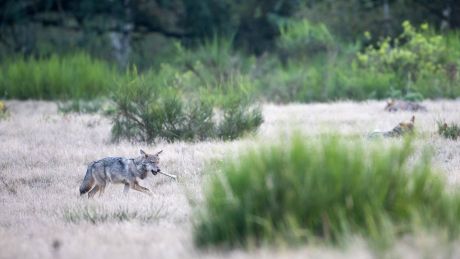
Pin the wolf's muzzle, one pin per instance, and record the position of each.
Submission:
(155, 172)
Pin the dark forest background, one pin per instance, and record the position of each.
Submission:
(141, 31)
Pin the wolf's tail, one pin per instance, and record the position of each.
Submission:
(88, 181)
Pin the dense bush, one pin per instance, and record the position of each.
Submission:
(419, 59)
(314, 66)
(73, 76)
(326, 189)
(155, 106)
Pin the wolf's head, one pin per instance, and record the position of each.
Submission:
(150, 163)
(390, 105)
(408, 126)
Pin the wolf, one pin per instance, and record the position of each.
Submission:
(403, 128)
(398, 105)
(119, 170)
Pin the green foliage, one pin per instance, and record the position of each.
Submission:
(449, 131)
(73, 76)
(308, 64)
(300, 82)
(359, 84)
(155, 106)
(238, 117)
(289, 83)
(418, 53)
(304, 39)
(325, 190)
(415, 57)
(215, 68)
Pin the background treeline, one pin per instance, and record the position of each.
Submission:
(138, 31)
(193, 64)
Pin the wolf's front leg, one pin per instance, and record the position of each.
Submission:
(126, 189)
(137, 187)
(101, 191)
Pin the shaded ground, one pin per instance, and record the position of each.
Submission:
(43, 158)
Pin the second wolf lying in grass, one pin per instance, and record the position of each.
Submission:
(400, 105)
(401, 129)
(119, 170)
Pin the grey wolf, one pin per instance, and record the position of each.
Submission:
(399, 105)
(403, 128)
(122, 170)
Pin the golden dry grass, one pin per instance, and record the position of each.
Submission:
(44, 154)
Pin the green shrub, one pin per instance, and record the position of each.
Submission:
(73, 76)
(156, 105)
(420, 59)
(408, 55)
(326, 190)
(238, 117)
(450, 131)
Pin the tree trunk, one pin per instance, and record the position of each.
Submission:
(121, 40)
(445, 23)
(121, 44)
(386, 17)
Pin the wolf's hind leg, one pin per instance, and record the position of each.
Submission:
(93, 191)
(101, 191)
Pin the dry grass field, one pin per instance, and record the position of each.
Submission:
(44, 154)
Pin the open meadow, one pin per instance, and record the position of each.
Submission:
(44, 155)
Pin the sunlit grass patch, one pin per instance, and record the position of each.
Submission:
(324, 190)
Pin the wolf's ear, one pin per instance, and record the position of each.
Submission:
(143, 153)
(159, 152)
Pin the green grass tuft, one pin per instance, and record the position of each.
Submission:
(97, 215)
(450, 131)
(75, 76)
(324, 190)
